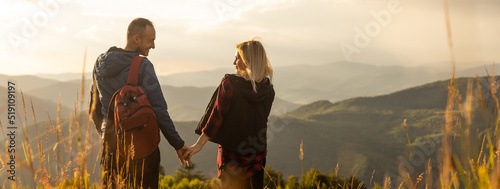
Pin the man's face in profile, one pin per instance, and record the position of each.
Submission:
(147, 40)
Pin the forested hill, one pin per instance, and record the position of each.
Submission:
(365, 134)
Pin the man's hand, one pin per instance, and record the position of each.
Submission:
(202, 140)
(194, 149)
(181, 154)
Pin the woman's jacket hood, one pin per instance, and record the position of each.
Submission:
(264, 88)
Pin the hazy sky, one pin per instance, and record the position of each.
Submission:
(50, 36)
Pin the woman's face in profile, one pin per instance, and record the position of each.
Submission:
(239, 65)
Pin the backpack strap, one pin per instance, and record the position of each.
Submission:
(95, 105)
(133, 73)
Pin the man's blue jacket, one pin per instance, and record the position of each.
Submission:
(111, 73)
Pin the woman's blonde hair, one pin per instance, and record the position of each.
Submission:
(254, 57)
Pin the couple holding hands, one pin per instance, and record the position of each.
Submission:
(235, 118)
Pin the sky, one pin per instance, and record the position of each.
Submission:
(52, 36)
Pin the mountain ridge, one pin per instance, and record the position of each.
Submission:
(359, 135)
(370, 128)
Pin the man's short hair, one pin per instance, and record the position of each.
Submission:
(137, 26)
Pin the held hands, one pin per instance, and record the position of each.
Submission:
(194, 149)
(186, 152)
(181, 154)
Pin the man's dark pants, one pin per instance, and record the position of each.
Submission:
(132, 176)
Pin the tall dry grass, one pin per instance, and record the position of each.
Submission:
(53, 164)
(467, 159)
(64, 157)
(469, 156)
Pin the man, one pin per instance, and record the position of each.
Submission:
(110, 73)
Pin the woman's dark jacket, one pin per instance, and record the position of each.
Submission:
(242, 126)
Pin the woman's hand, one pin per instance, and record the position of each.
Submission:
(194, 149)
(181, 153)
(202, 140)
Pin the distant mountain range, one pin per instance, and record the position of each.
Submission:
(185, 103)
(334, 82)
(302, 84)
(63, 77)
(188, 93)
(366, 129)
(42, 108)
(27, 82)
(365, 134)
(360, 134)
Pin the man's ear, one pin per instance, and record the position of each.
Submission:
(136, 38)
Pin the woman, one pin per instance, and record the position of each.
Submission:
(236, 118)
